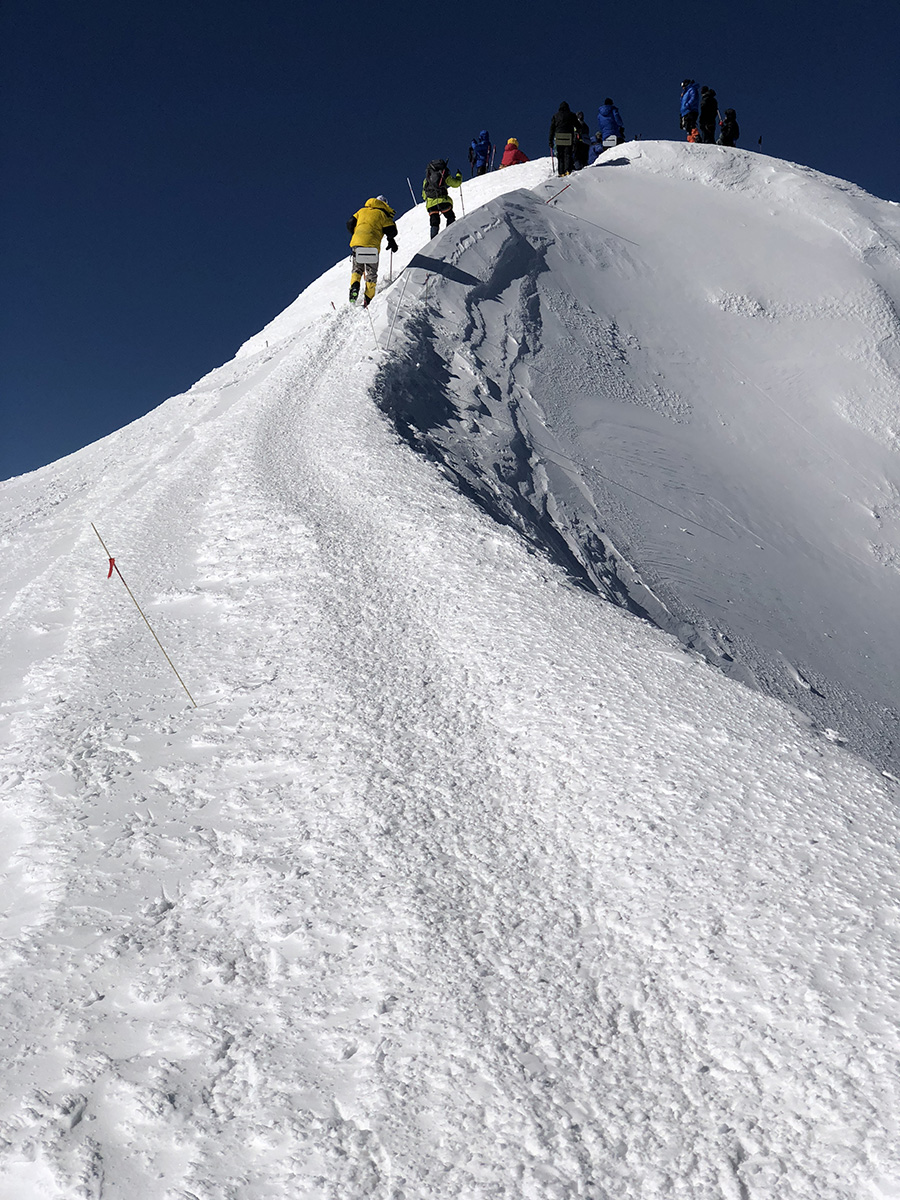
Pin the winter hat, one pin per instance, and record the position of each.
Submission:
(512, 141)
(608, 100)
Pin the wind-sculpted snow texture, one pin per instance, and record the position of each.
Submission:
(459, 881)
(681, 377)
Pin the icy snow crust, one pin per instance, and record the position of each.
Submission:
(461, 882)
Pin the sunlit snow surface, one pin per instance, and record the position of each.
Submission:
(461, 881)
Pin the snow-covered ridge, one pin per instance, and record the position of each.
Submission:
(460, 882)
(681, 378)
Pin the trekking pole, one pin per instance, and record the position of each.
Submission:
(412, 193)
(113, 567)
(391, 268)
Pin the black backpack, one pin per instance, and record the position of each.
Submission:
(435, 179)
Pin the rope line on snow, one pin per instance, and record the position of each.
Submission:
(790, 416)
(583, 466)
(397, 309)
(372, 323)
(113, 567)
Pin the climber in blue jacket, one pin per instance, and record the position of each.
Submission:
(690, 105)
(480, 153)
(609, 123)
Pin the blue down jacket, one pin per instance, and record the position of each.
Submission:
(690, 99)
(609, 123)
(480, 150)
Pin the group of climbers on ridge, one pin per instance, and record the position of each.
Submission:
(700, 114)
(570, 136)
(482, 150)
(377, 220)
(572, 145)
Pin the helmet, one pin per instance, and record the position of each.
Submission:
(384, 198)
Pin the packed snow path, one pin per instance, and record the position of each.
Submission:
(459, 882)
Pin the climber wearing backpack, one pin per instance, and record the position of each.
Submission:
(367, 227)
(480, 153)
(563, 128)
(435, 194)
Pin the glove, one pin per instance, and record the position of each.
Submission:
(392, 246)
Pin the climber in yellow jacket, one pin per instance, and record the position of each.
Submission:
(367, 227)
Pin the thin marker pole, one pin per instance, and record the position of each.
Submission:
(559, 193)
(113, 567)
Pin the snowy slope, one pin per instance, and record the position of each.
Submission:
(459, 881)
(684, 374)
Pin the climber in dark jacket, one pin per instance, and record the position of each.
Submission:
(729, 130)
(709, 113)
(563, 129)
(582, 143)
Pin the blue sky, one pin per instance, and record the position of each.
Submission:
(177, 172)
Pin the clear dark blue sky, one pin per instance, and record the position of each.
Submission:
(176, 173)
